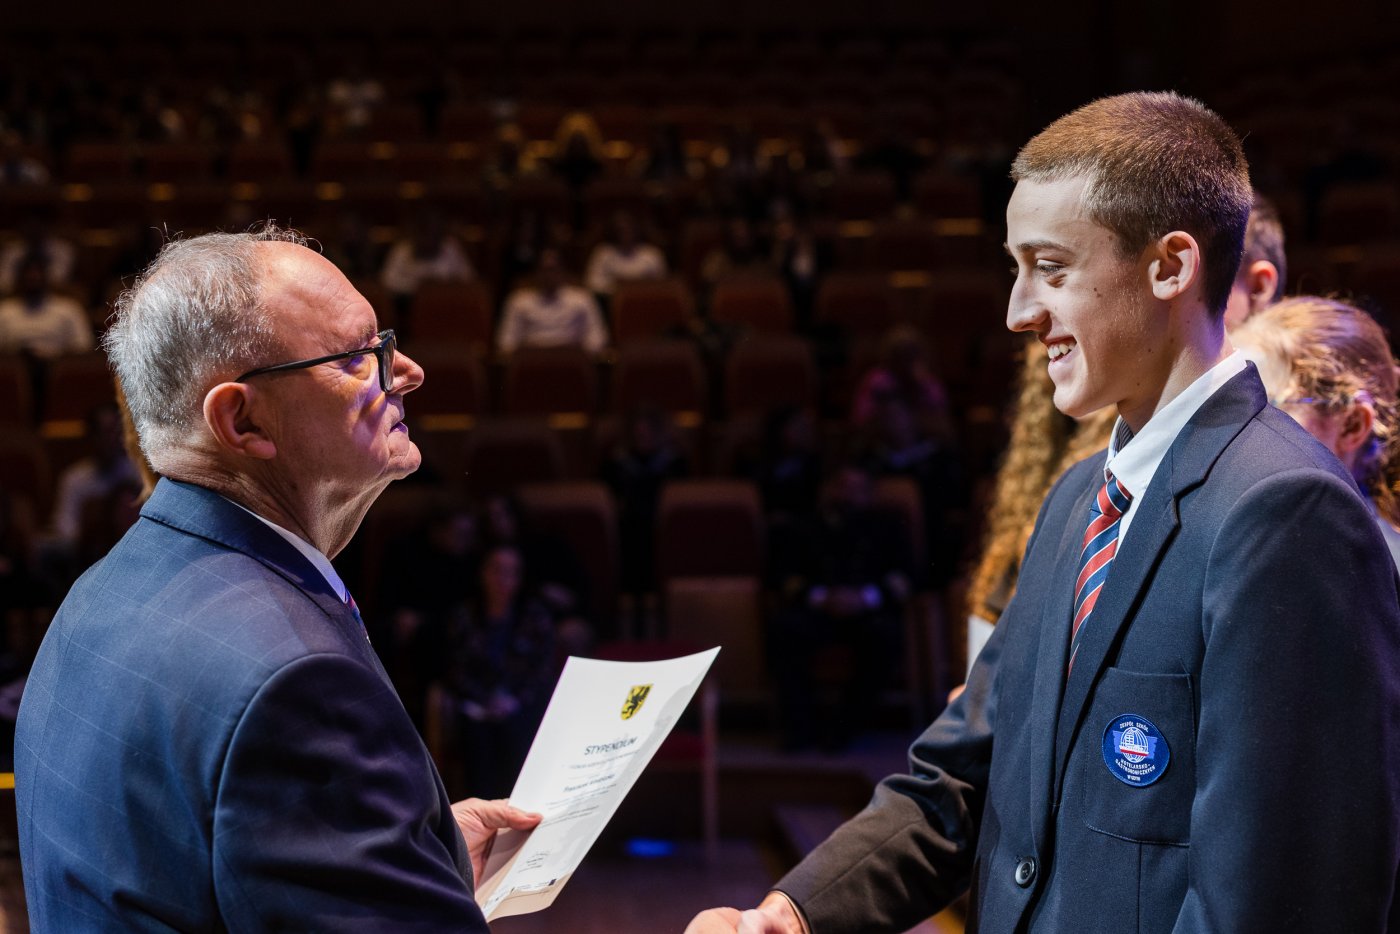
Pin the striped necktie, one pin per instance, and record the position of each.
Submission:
(354, 608)
(1100, 545)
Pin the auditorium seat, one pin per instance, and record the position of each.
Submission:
(177, 161)
(861, 304)
(258, 160)
(582, 515)
(25, 469)
(764, 372)
(709, 528)
(709, 560)
(755, 303)
(560, 382)
(454, 391)
(502, 454)
(862, 196)
(668, 374)
(17, 412)
(457, 314)
(75, 385)
(649, 309)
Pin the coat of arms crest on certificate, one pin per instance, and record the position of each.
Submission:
(636, 696)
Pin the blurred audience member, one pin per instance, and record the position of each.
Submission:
(578, 146)
(16, 166)
(896, 442)
(353, 97)
(802, 258)
(623, 256)
(37, 240)
(355, 253)
(89, 503)
(644, 460)
(551, 312)
(39, 321)
(1330, 367)
(905, 371)
(426, 572)
(738, 253)
(430, 253)
(1264, 267)
(556, 574)
(786, 467)
(844, 580)
(500, 671)
(663, 159)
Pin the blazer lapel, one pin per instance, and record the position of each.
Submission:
(1186, 465)
(1053, 652)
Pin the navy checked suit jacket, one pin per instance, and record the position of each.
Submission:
(208, 742)
(1252, 615)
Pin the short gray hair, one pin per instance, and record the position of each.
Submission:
(194, 316)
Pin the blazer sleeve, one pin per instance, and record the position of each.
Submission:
(909, 853)
(1296, 816)
(329, 815)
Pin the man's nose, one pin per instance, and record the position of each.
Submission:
(408, 375)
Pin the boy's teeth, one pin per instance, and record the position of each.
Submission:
(1059, 350)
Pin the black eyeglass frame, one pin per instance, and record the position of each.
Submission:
(383, 354)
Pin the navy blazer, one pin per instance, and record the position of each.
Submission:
(1252, 615)
(208, 742)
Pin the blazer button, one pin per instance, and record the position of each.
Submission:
(1025, 872)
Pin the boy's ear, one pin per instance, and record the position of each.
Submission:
(1175, 265)
(230, 411)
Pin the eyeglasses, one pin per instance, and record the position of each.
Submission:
(383, 354)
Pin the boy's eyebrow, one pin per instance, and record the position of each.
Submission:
(1030, 246)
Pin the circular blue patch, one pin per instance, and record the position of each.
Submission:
(1134, 750)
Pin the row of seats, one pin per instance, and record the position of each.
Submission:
(861, 304)
(710, 549)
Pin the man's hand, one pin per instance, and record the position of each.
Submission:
(479, 820)
(775, 915)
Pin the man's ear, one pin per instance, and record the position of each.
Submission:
(230, 414)
(1176, 265)
(1261, 278)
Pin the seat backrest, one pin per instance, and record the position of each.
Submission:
(582, 515)
(762, 373)
(709, 527)
(549, 381)
(667, 374)
(758, 303)
(647, 309)
(502, 454)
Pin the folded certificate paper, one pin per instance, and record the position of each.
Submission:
(604, 723)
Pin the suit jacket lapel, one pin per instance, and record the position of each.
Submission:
(1187, 463)
(198, 511)
(1052, 652)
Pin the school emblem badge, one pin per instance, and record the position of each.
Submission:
(636, 697)
(1134, 750)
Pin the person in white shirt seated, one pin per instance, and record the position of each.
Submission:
(622, 256)
(1329, 365)
(551, 312)
(38, 321)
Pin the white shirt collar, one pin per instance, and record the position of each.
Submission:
(319, 561)
(1134, 464)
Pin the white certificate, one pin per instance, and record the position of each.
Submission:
(604, 723)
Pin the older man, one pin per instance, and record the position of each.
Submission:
(207, 740)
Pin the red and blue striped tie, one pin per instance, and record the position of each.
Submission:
(1100, 545)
